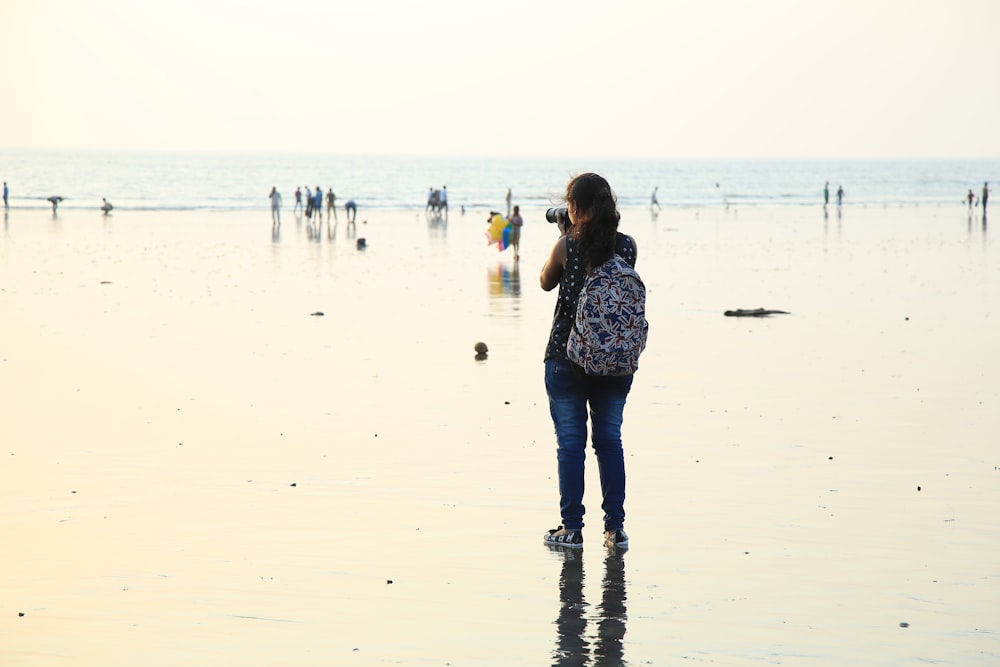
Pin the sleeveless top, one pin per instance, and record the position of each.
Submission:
(569, 293)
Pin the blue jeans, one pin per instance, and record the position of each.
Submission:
(570, 391)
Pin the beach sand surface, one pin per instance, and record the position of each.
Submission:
(197, 469)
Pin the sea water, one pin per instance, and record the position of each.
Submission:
(237, 182)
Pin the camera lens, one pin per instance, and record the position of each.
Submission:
(557, 214)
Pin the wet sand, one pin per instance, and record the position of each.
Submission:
(198, 470)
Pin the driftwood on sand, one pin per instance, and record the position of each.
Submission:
(754, 312)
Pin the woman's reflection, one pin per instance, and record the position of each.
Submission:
(611, 613)
(574, 647)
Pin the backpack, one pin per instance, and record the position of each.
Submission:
(610, 328)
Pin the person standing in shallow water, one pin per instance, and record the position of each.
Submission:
(590, 238)
(331, 205)
(275, 198)
(318, 205)
(516, 222)
(986, 196)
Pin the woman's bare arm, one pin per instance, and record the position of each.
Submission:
(554, 266)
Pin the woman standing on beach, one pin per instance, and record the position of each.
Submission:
(589, 239)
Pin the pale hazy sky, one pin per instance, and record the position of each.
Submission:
(661, 78)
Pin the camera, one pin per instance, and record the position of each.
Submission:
(558, 215)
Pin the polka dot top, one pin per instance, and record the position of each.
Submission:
(569, 291)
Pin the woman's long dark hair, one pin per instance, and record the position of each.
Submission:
(597, 211)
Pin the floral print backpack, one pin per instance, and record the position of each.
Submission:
(610, 328)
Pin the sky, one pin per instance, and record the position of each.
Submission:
(546, 78)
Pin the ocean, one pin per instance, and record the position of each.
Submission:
(241, 182)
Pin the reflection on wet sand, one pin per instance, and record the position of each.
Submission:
(575, 647)
(504, 285)
(194, 387)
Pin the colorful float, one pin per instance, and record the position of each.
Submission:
(499, 231)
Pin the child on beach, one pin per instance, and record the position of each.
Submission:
(515, 237)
